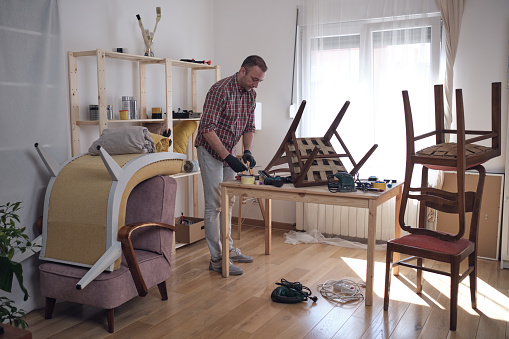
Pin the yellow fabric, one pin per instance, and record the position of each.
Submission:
(181, 134)
(162, 143)
(77, 215)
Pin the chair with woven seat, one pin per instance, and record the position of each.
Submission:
(443, 155)
(311, 160)
(146, 255)
(422, 243)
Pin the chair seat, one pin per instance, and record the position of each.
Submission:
(426, 242)
(110, 289)
(448, 152)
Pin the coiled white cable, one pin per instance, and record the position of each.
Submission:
(341, 291)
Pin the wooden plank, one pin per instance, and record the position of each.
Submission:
(74, 104)
(143, 90)
(101, 85)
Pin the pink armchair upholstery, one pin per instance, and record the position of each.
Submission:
(146, 254)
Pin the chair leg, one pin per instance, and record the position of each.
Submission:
(111, 320)
(50, 306)
(455, 272)
(472, 262)
(388, 271)
(162, 290)
(419, 276)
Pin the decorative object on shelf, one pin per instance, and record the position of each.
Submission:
(129, 104)
(208, 62)
(181, 134)
(12, 239)
(191, 166)
(120, 50)
(124, 140)
(109, 112)
(93, 112)
(148, 37)
(157, 112)
(186, 114)
(124, 114)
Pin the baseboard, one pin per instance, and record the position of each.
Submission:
(261, 223)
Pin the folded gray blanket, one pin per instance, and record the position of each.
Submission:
(124, 140)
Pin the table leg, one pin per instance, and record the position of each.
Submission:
(268, 226)
(370, 260)
(225, 220)
(239, 218)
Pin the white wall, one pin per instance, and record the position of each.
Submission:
(266, 28)
(185, 31)
(482, 58)
(226, 31)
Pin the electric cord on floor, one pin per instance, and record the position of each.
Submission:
(341, 291)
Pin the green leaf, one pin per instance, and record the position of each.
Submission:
(6, 274)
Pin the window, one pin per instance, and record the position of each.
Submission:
(369, 63)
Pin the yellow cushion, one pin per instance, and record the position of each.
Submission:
(181, 134)
(162, 143)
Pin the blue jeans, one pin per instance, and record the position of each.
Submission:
(213, 173)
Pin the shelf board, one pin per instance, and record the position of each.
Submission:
(186, 119)
(96, 122)
(144, 59)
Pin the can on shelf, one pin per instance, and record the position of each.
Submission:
(109, 112)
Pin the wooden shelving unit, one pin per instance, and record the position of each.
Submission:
(142, 61)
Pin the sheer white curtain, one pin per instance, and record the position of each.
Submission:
(367, 52)
(33, 109)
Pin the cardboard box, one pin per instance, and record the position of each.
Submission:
(189, 233)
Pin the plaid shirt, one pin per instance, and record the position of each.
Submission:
(229, 111)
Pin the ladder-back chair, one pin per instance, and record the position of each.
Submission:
(459, 156)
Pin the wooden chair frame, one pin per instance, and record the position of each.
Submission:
(301, 162)
(473, 205)
(460, 163)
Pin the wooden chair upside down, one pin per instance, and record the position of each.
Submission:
(310, 160)
(460, 156)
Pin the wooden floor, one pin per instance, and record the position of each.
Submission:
(202, 304)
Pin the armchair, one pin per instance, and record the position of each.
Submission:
(146, 255)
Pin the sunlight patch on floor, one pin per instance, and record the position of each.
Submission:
(399, 291)
(490, 301)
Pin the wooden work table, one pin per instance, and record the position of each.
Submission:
(313, 194)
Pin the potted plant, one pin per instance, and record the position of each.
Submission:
(12, 239)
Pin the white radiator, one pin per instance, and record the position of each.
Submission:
(351, 222)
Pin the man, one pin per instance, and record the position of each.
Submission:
(228, 115)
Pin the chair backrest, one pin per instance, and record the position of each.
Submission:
(153, 200)
(448, 202)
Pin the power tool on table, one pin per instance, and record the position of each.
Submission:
(340, 182)
(270, 180)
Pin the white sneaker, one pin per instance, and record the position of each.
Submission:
(217, 266)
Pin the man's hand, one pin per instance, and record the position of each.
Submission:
(235, 163)
(249, 157)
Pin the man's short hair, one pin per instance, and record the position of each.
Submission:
(254, 60)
